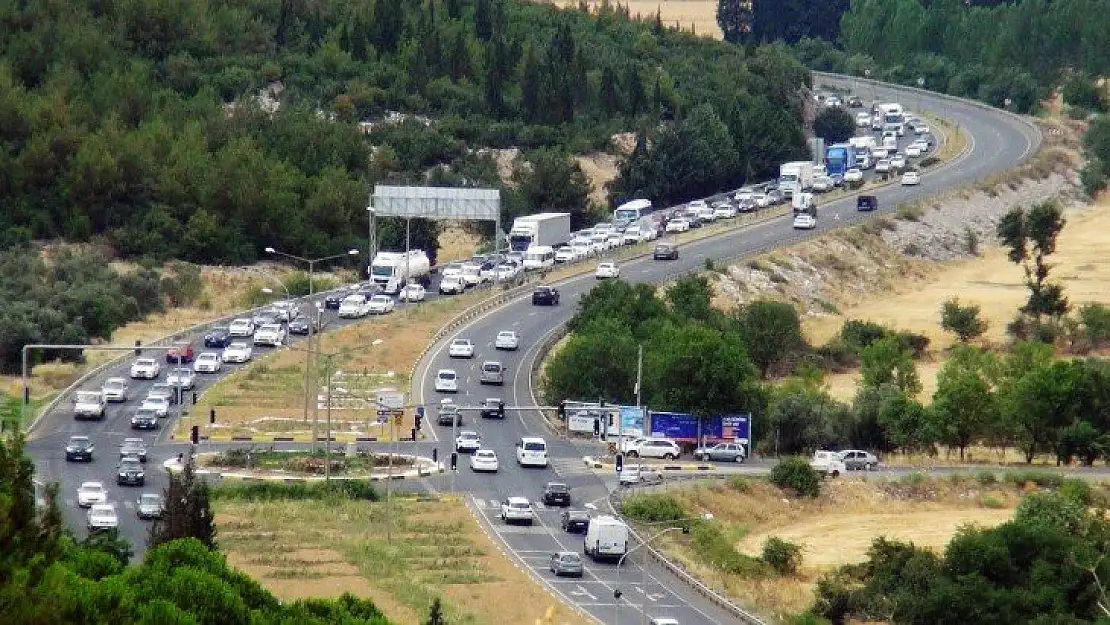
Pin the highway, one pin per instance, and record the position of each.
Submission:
(998, 142)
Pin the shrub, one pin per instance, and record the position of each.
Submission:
(929, 161)
(986, 478)
(1044, 479)
(993, 501)
(909, 212)
(714, 548)
(653, 508)
(783, 556)
(357, 490)
(795, 474)
(739, 484)
(971, 241)
(916, 343)
(1096, 324)
(1077, 490)
(856, 334)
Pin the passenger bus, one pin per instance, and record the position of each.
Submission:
(631, 211)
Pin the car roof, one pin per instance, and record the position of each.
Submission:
(78, 438)
(92, 485)
(563, 554)
(518, 500)
(133, 440)
(533, 439)
(446, 371)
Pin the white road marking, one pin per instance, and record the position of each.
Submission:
(579, 591)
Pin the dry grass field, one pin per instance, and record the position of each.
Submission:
(698, 16)
(302, 549)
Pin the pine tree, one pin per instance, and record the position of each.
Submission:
(483, 20)
(188, 511)
(435, 615)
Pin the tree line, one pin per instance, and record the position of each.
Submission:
(137, 122)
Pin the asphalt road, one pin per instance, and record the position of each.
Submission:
(997, 142)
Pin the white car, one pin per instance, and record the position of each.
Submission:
(650, 447)
(452, 285)
(583, 250)
(517, 509)
(678, 225)
(158, 403)
(207, 362)
(237, 352)
(878, 153)
(472, 274)
(531, 451)
(911, 178)
(241, 327)
(898, 162)
(823, 184)
(913, 150)
(484, 460)
(565, 254)
(468, 441)
(882, 166)
(696, 206)
(102, 517)
(827, 463)
(353, 307)
(89, 405)
(805, 222)
(921, 144)
(633, 235)
(380, 305)
(506, 339)
(920, 129)
(145, 369)
(412, 293)
(607, 270)
(452, 270)
(743, 195)
(271, 334)
(90, 493)
(461, 348)
(507, 271)
(863, 119)
(639, 474)
(853, 175)
(447, 381)
(762, 200)
(115, 390)
(724, 210)
(615, 240)
(183, 377)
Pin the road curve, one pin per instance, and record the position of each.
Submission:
(997, 141)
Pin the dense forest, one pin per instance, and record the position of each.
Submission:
(1019, 51)
(139, 122)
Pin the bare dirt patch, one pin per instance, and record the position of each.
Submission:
(456, 242)
(698, 16)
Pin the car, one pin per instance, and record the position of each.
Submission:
(506, 340)
(913, 150)
(743, 194)
(163, 390)
(353, 307)
(855, 102)
(207, 362)
(545, 296)
(237, 353)
(241, 328)
(665, 251)
(332, 300)
(461, 348)
(827, 463)
(115, 390)
(447, 381)
(484, 461)
(472, 274)
(920, 129)
(775, 197)
(270, 334)
(680, 224)
(867, 203)
(696, 206)
(102, 517)
(491, 407)
(150, 506)
(217, 337)
(517, 510)
(724, 210)
(863, 119)
(130, 472)
(567, 563)
(651, 447)
(805, 222)
(89, 405)
(663, 620)
(79, 448)
(882, 166)
(531, 451)
(182, 352)
(607, 270)
(183, 378)
(853, 175)
(556, 494)
(565, 254)
(879, 153)
(823, 184)
(133, 448)
(837, 180)
(159, 404)
(285, 310)
(574, 521)
(144, 419)
(145, 369)
(493, 372)
(91, 493)
(449, 413)
(858, 460)
(921, 144)
(380, 305)
(898, 162)
(302, 325)
(266, 316)
(451, 285)
(728, 452)
(911, 178)
(632, 474)
(468, 441)
(412, 293)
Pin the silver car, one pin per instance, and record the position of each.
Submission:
(566, 563)
(856, 460)
(493, 372)
(182, 377)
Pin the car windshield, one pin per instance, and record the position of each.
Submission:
(114, 384)
(506, 335)
(532, 446)
(184, 372)
(462, 343)
(557, 488)
(518, 504)
(79, 441)
(157, 399)
(570, 558)
(88, 397)
(380, 299)
(151, 500)
(235, 346)
(91, 488)
(130, 465)
(208, 356)
(486, 455)
(144, 362)
(145, 413)
(492, 367)
(447, 375)
(468, 435)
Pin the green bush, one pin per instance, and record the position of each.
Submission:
(360, 490)
(795, 474)
(992, 501)
(715, 549)
(929, 161)
(986, 478)
(653, 508)
(1044, 479)
(1077, 490)
(739, 484)
(783, 556)
(297, 283)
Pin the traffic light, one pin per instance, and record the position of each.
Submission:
(563, 410)
(454, 461)
(194, 435)
(138, 344)
(212, 415)
(419, 420)
(500, 409)
(619, 462)
(435, 455)
(597, 426)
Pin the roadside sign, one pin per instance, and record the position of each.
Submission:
(397, 419)
(391, 399)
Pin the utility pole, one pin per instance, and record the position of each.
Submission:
(327, 437)
(389, 481)
(408, 234)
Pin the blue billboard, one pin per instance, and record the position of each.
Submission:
(684, 427)
(632, 420)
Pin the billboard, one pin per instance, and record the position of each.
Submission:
(684, 427)
(581, 415)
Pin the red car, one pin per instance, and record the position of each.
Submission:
(181, 352)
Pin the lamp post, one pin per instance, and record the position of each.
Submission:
(867, 75)
(920, 85)
(311, 262)
(616, 584)
(372, 238)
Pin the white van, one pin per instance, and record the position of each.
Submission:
(539, 257)
(890, 142)
(531, 451)
(606, 538)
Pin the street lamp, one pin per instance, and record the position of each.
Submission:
(311, 262)
(867, 74)
(685, 529)
(372, 238)
(920, 85)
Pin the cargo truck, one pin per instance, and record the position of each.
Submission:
(393, 270)
(795, 176)
(541, 229)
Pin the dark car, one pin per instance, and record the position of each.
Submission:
(217, 337)
(665, 251)
(556, 494)
(164, 390)
(575, 521)
(545, 296)
(370, 290)
(267, 316)
(144, 420)
(182, 352)
(867, 203)
(133, 448)
(855, 102)
(332, 302)
(79, 448)
(130, 473)
(301, 325)
(489, 408)
(449, 413)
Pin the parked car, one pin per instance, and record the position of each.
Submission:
(217, 337)
(145, 369)
(90, 493)
(115, 390)
(133, 448)
(556, 494)
(102, 517)
(652, 448)
(150, 506)
(567, 563)
(827, 463)
(181, 353)
(857, 460)
(507, 340)
(207, 362)
(461, 348)
(665, 251)
(545, 296)
(728, 452)
(493, 372)
(574, 521)
(517, 510)
(79, 448)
